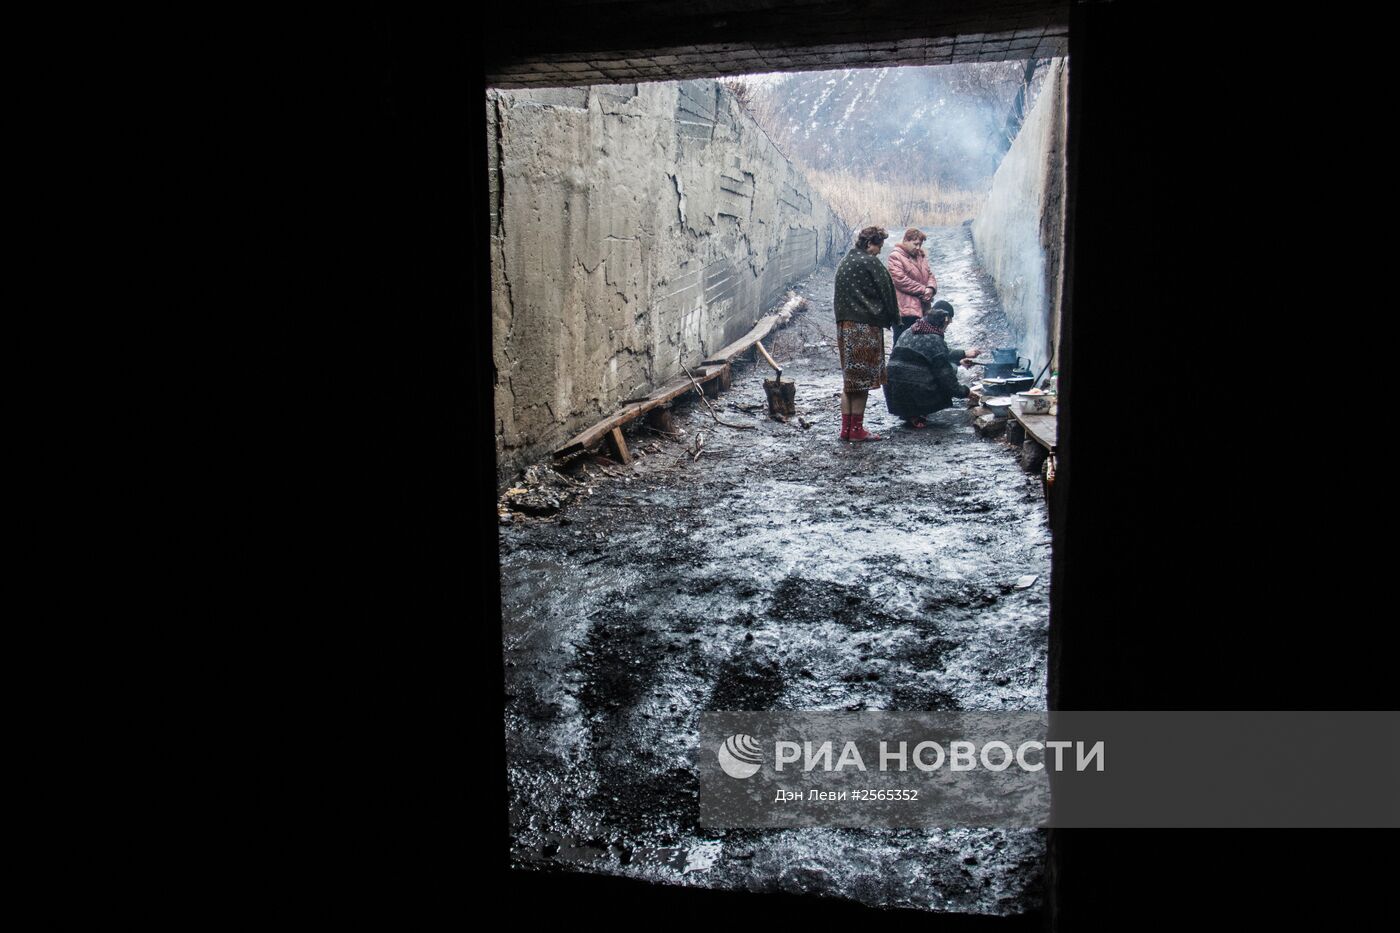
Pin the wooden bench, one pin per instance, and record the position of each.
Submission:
(757, 333)
(1037, 436)
(1039, 427)
(712, 373)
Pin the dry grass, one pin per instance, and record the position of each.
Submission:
(862, 201)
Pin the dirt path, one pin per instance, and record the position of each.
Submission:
(782, 570)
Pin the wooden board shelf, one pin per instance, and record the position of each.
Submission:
(1042, 428)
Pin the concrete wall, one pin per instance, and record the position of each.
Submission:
(633, 227)
(1019, 235)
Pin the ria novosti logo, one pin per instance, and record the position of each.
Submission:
(740, 756)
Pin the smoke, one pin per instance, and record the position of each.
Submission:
(940, 125)
(1020, 218)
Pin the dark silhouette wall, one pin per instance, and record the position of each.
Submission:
(1209, 553)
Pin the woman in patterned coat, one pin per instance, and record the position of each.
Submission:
(865, 305)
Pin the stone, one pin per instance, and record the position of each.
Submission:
(1032, 456)
(989, 425)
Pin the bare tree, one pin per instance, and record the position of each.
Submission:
(1017, 113)
(742, 92)
(995, 88)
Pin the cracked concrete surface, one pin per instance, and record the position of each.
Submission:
(635, 227)
(1019, 234)
(782, 570)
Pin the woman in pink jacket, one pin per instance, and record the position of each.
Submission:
(914, 285)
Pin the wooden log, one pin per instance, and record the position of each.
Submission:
(790, 397)
(619, 446)
(782, 398)
(725, 378)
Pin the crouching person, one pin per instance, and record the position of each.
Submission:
(922, 378)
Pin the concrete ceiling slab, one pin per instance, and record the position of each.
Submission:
(625, 41)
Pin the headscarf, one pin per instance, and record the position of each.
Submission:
(924, 326)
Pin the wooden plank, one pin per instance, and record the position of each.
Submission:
(678, 387)
(593, 435)
(667, 393)
(1041, 427)
(712, 367)
(759, 331)
(619, 445)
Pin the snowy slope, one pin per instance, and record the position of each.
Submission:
(932, 124)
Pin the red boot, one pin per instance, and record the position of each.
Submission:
(858, 432)
(845, 426)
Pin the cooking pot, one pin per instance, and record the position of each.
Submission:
(1007, 385)
(1006, 363)
(1034, 404)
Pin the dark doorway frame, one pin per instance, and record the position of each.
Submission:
(1138, 619)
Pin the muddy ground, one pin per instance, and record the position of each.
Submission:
(783, 569)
